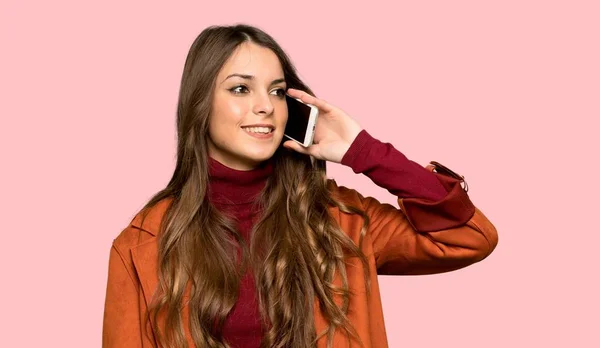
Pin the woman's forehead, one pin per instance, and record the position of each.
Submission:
(254, 60)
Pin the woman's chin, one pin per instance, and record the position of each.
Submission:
(258, 156)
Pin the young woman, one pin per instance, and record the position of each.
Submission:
(250, 244)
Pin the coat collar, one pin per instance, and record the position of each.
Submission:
(149, 220)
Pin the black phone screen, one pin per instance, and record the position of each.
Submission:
(298, 117)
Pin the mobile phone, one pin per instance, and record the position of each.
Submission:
(302, 119)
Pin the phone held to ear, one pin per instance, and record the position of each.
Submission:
(302, 119)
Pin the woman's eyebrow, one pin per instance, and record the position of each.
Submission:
(251, 77)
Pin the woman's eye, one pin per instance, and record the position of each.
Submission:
(238, 89)
(280, 92)
(241, 89)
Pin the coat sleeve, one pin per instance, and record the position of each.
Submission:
(425, 237)
(121, 326)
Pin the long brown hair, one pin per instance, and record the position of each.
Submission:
(301, 245)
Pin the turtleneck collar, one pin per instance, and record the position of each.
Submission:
(232, 186)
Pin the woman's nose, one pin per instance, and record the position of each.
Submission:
(262, 104)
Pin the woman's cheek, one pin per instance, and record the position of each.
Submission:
(236, 109)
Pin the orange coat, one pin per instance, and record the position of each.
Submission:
(410, 240)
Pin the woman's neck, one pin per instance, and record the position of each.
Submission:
(232, 186)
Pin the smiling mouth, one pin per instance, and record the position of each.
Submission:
(259, 130)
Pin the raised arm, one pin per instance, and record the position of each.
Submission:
(435, 228)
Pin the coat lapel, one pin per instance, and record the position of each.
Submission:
(145, 260)
(145, 254)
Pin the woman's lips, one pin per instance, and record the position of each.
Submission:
(259, 135)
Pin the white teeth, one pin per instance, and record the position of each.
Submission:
(263, 130)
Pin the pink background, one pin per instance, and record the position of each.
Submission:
(502, 93)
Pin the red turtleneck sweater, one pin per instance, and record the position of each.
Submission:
(233, 191)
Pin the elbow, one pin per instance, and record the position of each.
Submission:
(488, 235)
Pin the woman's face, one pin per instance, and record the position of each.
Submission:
(249, 111)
